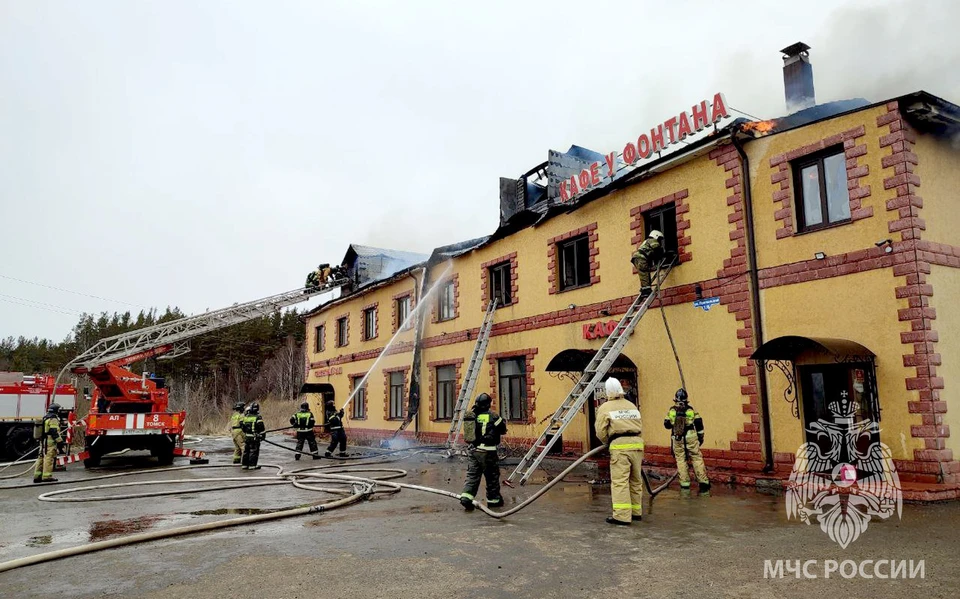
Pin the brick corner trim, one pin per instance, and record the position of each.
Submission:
(935, 463)
(679, 200)
(590, 231)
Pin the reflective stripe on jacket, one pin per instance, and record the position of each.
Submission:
(694, 422)
(51, 428)
(619, 425)
(304, 421)
(490, 427)
(235, 420)
(252, 425)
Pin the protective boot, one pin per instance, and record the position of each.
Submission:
(467, 504)
(316, 456)
(327, 454)
(342, 454)
(704, 487)
(612, 520)
(296, 457)
(49, 480)
(37, 479)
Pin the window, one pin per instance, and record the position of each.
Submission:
(396, 395)
(403, 311)
(369, 323)
(446, 391)
(513, 388)
(574, 262)
(342, 331)
(358, 410)
(319, 340)
(500, 284)
(447, 304)
(821, 183)
(663, 219)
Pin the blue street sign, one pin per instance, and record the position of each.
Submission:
(706, 303)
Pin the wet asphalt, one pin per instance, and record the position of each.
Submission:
(415, 544)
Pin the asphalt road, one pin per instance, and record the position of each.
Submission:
(416, 544)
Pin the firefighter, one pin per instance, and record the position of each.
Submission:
(304, 423)
(236, 432)
(646, 258)
(253, 432)
(618, 426)
(483, 429)
(335, 425)
(687, 433)
(49, 437)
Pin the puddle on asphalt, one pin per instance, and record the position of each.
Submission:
(107, 529)
(39, 541)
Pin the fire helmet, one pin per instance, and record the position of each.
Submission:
(304, 406)
(681, 396)
(613, 388)
(254, 408)
(656, 234)
(483, 401)
(238, 407)
(53, 408)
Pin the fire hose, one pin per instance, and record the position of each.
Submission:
(361, 488)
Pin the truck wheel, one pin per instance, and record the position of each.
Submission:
(163, 451)
(94, 455)
(20, 442)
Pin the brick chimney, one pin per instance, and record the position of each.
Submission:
(798, 77)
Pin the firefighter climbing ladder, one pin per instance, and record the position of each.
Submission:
(473, 371)
(592, 376)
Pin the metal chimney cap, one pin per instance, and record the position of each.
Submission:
(795, 49)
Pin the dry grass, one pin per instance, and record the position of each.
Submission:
(216, 421)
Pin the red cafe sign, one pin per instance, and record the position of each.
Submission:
(672, 131)
(598, 330)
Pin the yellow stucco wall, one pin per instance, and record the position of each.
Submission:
(946, 287)
(862, 309)
(861, 234)
(939, 171)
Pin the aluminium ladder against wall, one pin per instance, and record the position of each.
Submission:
(592, 376)
(470, 380)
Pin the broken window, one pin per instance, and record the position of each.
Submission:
(500, 284)
(574, 262)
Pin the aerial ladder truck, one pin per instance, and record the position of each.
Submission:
(131, 411)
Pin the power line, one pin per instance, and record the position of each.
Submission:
(9, 301)
(106, 299)
(24, 299)
(746, 114)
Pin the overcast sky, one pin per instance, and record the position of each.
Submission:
(204, 153)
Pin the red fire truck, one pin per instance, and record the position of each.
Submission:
(23, 403)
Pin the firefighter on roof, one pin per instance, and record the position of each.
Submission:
(687, 433)
(253, 432)
(618, 426)
(482, 429)
(304, 423)
(335, 425)
(50, 436)
(236, 432)
(318, 278)
(646, 258)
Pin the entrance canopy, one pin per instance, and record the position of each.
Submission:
(789, 347)
(575, 360)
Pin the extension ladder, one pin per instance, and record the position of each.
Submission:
(470, 381)
(592, 376)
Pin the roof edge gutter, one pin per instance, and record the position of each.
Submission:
(766, 437)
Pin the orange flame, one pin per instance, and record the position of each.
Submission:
(761, 127)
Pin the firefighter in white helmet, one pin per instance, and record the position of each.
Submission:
(646, 258)
(618, 426)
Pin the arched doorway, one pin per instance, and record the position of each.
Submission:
(570, 363)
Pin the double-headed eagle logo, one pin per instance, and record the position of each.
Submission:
(845, 477)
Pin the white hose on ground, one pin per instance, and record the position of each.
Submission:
(363, 487)
(17, 461)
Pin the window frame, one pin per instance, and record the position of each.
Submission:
(561, 263)
(502, 272)
(520, 380)
(442, 296)
(391, 415)
(406, 302)
(450, 385)
(671, 236)
(343, 331)
(817, 159)
(358, 411)
(320, 338)
(369, 315)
